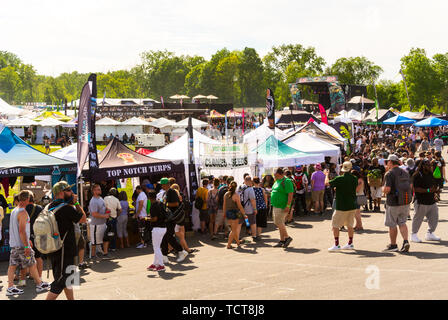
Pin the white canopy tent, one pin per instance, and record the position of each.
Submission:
(195, 122)
(21, 122)
(307, 142)
(68, 153)
(134, 121)
(106, 126)
(165, 125)
(261, 133)
(10, 111)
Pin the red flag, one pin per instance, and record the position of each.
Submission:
(311, 120)
(243, 121)
(323, 114)
(161, 100)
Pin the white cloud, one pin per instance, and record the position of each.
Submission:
(99, 35)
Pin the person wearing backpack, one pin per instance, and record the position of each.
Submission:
(249, 204)
(212, 204)
(33, 211)
(157, 217)
(22, 255)
(301, 183)
(281, 200)
(201, 198)
(425, 205)
(67, 212)
(398, 192)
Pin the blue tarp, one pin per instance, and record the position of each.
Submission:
(432, 122)
(17, 158)
(397, 120)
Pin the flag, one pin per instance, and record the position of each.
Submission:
(104, 98)
(270, 108)
(376, 107)
(243, 121)
(181, 101)
(225, 124)
(161, 100)
(193, 179)
(93, 154)
(323, 114)
(311, 120)
(362, 104)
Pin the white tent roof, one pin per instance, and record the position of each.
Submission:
(360, 99)
(107, 122)
(68, 153)
(306, 142)
(136, 122)
(22, 122)
(262, 133)
(178, 150)
(330, 130)
(50, 122)
(410, 115)
(195, 122)
(6, 109)
(162, 122)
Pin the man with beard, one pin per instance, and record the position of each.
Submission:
(425, 188)
(68, 212)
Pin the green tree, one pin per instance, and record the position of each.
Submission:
(423, 82)
(355, 70)
(10, 84)
(250, 78)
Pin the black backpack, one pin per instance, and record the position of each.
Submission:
(198, 203)
(221, 192)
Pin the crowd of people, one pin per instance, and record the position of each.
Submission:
(403, 165)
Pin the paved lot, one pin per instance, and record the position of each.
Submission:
(306, 270)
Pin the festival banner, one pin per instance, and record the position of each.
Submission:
(161, 100)
(221, 156)
(193, 179)
(93, 155)
(270, 108)
(337, 97)
(243, 121)
(323, 114)
(84, 133)
(295, 95)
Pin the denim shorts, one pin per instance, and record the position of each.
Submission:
(231, 214)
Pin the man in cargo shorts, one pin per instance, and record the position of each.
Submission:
(281, 200)
(344, 214)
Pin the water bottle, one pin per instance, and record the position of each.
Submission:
(247, 222)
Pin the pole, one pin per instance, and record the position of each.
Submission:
(292, 119)
(406, 88)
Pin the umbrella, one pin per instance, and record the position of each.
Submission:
(176, 97)
(216, 114)
(399, 120)
(431, 122)
(211, 97)
(199, 96)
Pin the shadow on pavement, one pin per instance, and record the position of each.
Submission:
(104, 266)
(370, 231)
(170, 275)
(297, 225)
(427, 255)
(302, 250)
(240, 249)
(181, 267)
(368, 254)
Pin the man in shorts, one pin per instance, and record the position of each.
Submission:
(22, 255)
(281, 200)
(344, 214)
(98, 218)
(396, 215)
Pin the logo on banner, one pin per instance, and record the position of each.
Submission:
(127, 158)
(225, 156)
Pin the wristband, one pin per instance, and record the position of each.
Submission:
(77, 203)
(428, 190)
(27, 247)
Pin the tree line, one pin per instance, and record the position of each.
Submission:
(238, 77)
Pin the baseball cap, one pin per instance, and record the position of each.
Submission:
(392, 157)
(318, 166)
(149, 186)
(298, 168)
(164, 181)
(347, 166)
(61, 186)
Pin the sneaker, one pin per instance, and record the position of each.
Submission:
(165, 259)
(160, 268)
(141, 246)
(287, 242)
(391, 248)
(106, 256)
(22, 283)
(334, 248)
(405, 247)
(414, 238)
(431, 237)
(152, 267)
(214, 237)
(256, 239)
(348, 247)
(182, 255)
(44, 286)
(12, 291)
(83, 266)
(279, 244)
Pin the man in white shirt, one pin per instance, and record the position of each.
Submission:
(141, 214)
(438, 143)
(113, 204)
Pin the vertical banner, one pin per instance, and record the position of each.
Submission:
(161, 100)
(323, 114)
(83, 128)
(295, 95)
(362, 105)
(243, 121)
(93, 156)
(193, 179)
(337, 97)
(270, 108)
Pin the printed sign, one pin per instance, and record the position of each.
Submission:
(225, 156)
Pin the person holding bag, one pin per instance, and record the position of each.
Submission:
(361, 200)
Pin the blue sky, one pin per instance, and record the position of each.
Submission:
(102, 35)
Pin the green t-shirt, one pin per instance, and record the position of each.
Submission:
(280, 191)
(345, 191)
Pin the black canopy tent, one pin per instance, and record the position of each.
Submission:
(298, 116)
(117, 161)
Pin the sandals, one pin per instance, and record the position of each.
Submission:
(229, 247)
